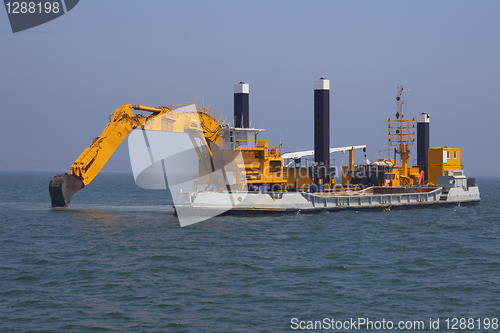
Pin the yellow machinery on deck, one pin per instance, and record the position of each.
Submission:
(261, 165)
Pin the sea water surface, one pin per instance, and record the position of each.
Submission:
(117, 260)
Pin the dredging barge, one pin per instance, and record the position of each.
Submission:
(278, 183)
(214, 168)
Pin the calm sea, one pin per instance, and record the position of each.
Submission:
(117, 260)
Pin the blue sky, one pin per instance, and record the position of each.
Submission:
(61, 80)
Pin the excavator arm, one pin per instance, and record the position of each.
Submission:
(121, 123)
(92, 160)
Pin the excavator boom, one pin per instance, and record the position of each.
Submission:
(121, 123)
(93, 158)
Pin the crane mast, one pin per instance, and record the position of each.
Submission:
(401, 132)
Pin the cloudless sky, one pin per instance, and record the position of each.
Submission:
(61, 80)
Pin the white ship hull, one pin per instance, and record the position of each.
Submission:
(381, 198)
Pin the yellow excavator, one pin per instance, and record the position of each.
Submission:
(173, 118)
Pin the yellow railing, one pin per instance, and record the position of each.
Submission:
(256, 144)
(245, 143)
(204, 108)
(274, 151)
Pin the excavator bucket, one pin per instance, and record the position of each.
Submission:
(62, 188)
